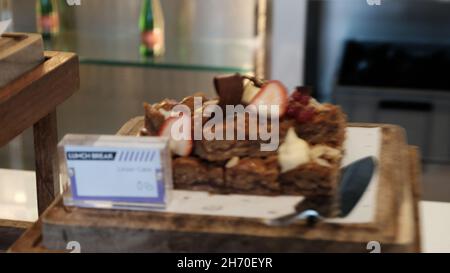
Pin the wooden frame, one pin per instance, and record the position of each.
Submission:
(31, 101)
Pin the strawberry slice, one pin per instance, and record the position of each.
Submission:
(272, 93)
(180, 140)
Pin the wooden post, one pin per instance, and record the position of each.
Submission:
(31, 100)
(45, 149)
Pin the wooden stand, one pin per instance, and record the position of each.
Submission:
(19, 53)
(31, 101)
(396, 225)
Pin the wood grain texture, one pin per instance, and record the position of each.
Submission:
(19, 53)
(395, 226)
(416, 175)
(10, 231)
(31, 241)
(47, 171)
(31, 100)
(25, 101)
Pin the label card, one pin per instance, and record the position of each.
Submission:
(116, 170)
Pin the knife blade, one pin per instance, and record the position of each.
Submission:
(355, 178)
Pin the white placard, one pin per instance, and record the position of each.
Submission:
(360, 143)
(120, 170)
(116, 174)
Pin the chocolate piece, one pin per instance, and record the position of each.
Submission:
(230, 89)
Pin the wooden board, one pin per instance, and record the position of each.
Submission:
(19, 53)
(395, 226)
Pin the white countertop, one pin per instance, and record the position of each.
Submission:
(18, 199)
(435, 226)
(18, 202)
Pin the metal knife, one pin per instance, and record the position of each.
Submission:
(354, 181)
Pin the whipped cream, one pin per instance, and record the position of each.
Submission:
(320, 153)
(293, 152)
(233, 162)
(250, 92)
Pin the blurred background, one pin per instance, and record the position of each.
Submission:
(386, 63)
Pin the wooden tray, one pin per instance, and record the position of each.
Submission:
(19, 53)
(395, 226)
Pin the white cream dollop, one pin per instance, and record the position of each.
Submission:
(318, 153)
(250, 92)
(293, 152)
(322, 150)
(233, 162)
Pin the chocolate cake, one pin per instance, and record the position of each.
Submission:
(307, 155)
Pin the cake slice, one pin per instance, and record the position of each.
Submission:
(306, 161)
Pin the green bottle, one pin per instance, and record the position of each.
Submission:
(151, 25)
(47, 18)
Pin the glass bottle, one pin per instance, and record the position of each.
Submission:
(151, 26)
(47, 18)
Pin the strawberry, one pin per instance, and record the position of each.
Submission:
(304, 100)
(301, 97)
(305, 115)
(181, 143)
(272, 93)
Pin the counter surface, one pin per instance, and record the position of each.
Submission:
(18, 203)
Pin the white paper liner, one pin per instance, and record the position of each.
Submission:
(360, 143)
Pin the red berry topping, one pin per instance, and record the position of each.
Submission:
(297, 96)
(292, 111)
(305, 116)
(304, 100)
(273, 93)
(304, 90)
